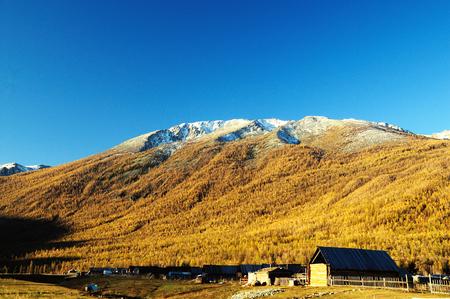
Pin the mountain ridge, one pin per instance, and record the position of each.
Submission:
(230, 130)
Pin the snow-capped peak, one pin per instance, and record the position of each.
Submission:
(225, 131)
(270, 124)
(441, 135)
(13, 167)
(190, 131)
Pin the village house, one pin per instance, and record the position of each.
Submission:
(267, 276)
(329, 262)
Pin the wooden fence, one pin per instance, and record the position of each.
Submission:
(439, 286)
(374, 282)
(432, 285)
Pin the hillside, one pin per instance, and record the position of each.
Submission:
(240, 200)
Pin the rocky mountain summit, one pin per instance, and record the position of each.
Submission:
(282, 131)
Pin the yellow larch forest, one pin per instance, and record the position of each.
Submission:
(246, 201)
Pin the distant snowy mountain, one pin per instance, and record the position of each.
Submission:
(441, 135)
(13, 168)
(288, 132)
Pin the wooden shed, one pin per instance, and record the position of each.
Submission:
(267, 276)
(333, 261)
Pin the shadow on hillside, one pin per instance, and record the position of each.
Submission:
(21, 236)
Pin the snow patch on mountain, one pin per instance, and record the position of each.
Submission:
(286, 136)
(379, 125)
(255, 127)
(369, 137)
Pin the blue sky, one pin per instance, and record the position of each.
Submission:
(77, 77)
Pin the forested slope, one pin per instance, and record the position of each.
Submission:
(246, 201)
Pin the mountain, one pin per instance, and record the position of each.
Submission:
(13, 168)
(237, 191)
(289, 132)
(441, 135)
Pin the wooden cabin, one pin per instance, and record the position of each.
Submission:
(267, 276)
(349, 262)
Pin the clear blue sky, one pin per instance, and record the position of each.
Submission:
(77, 77)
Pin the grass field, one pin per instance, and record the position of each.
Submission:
(125, 287)
(10, 288)
(137, 287)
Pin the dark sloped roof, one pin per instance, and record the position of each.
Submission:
(246, 268)
(221, 269)
(296, 268)
(274, 270)
(353, 259)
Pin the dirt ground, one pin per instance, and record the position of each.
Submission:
(142, 287)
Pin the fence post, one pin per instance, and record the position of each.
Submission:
(384, 282)
(362, 281)
(407, 286)
(430, 284)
